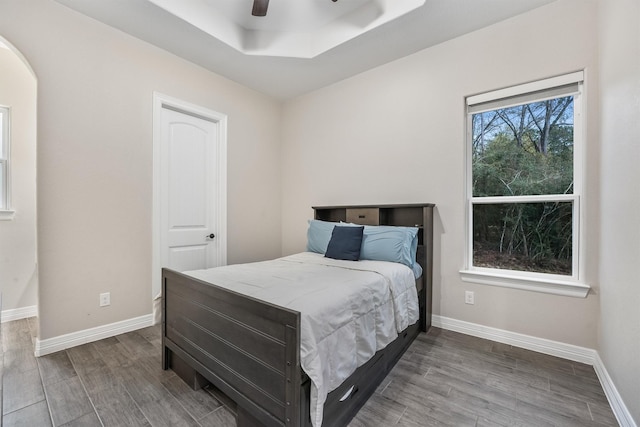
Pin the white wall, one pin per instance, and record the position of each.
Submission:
(95, 96)
(18, 271)
(620, 222)
(396, 134)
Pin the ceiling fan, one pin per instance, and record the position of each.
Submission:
(260, 7)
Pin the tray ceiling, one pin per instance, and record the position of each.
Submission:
(301, 45)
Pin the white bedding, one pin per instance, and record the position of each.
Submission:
(349, 310)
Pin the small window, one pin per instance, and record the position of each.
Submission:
(4, 159)
(524, 183)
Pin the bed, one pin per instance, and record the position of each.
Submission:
(250, 349)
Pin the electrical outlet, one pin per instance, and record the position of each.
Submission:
(469, 297)
(105, 299)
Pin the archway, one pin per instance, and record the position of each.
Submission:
(18, 227)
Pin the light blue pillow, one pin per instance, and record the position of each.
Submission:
(388, 243)
(417, 270)
(318, 235)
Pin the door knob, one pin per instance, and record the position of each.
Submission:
(210, 236)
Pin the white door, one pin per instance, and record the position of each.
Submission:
(189, 202)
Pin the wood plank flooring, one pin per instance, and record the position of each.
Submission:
(445, 378)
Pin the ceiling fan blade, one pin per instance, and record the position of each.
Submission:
(260, 7)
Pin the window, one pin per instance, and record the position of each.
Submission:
(4, 161)
(524, 185)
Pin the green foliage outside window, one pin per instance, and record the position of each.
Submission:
(522, 151)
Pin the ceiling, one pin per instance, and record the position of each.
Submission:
(301, 45)
(292, 28)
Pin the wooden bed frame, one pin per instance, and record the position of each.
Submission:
(250, 349)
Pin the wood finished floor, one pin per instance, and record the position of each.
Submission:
(445, 378)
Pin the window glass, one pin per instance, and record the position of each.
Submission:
(4, 158)
(534, 237)
(2, 137)
(2, 185)
(524, 150)
(522, 190)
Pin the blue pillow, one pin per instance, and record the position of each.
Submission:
(388, 243)
(345, 243)
(417, 270)
(318, 235)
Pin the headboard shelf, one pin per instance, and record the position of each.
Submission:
(406, 215)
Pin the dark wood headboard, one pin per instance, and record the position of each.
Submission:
(410, 215)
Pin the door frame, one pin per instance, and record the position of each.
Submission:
(161, 101)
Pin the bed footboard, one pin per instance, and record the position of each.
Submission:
(247, 348)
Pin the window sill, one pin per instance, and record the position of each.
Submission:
(535, 284)
(6, 215)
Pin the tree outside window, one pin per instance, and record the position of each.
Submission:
(523, 198)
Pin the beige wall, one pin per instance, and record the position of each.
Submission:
(620, 229)
(396, 134)
(95, 93)
(18, 270)
(391, 135)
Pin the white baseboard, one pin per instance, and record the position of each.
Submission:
(541, 345)
(615, 400)
(62, 342)
(553, 348)
(18, 313)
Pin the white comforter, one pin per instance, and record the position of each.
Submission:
(349, 310)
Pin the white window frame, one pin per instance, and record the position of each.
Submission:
(573, 285)
(6, 213)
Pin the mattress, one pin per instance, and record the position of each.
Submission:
(349, 309)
